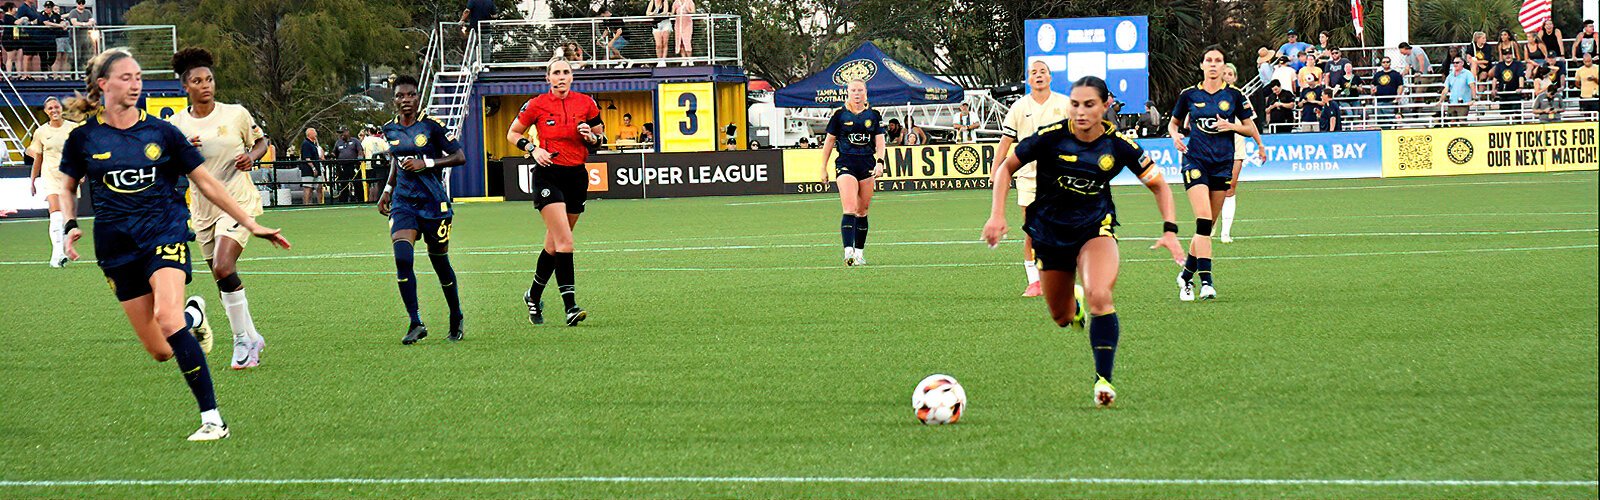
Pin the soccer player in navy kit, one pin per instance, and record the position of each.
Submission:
(137, 168)
(418, 205)
(857, 131)
(1073, 220)
(1216, 111)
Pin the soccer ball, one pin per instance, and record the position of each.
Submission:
(939, 400)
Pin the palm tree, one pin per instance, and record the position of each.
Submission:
(1453, 21)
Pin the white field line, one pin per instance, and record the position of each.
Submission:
(529, 249)
(938, 265)
(809, 480)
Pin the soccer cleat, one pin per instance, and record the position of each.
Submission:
(1185, 289)
(861, 257)
(849, 256)
(1208, 293)
(210, 432)
(1104, 394)
(59, 260)
(202, 328)
(417, 332)
(575, 315)
(1226, 238)
(1034, 290)
(535, 308)
(457, 330)
(247, 352)
(1080, 314)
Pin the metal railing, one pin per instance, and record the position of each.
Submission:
(47, 53)
(293, 182)
(715, 39)
(937, 118)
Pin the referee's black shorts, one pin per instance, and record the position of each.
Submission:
(561, 184)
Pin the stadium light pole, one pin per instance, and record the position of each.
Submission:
(1397, 26)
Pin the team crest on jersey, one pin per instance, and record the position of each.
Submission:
(1106, 163)
(152, 151)
(222, 130)
(421, 140)
(1223, 105)
(1383, 80)
(868, 123)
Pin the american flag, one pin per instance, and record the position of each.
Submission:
(1533, 14)
(1355, 15)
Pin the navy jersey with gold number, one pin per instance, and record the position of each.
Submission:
(1202, 110)
(426, 138)
(1074, 181)
(137, 179)
(856, 133)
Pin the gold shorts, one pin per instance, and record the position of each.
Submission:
(1027, 187)
(224, 226)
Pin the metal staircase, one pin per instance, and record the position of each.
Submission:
(16, 121)
(450, 76)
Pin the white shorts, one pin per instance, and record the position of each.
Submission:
(1238, 147)
(664, 25)
(1027, 187)
(224, 226)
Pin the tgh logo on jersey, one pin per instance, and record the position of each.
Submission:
(131, 180)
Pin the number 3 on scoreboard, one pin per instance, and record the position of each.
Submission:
(691, 105)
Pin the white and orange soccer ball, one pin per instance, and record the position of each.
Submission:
(939, 400)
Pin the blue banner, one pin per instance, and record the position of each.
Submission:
(1114, 48)
(1328, 155)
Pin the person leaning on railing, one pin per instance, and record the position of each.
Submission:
(1459, 89)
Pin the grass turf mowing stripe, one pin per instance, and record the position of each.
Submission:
(820, 479)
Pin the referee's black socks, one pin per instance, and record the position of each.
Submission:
(1104, 331)
(847, 229)
(564, 278)
(861, 232)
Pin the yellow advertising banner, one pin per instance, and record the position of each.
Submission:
(943, 166)
(165, 107)
(688, 117)
(1545, 147)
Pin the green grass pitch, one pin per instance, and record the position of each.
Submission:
(1368, 333)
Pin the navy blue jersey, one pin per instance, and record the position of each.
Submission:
(1074, 179)
(137, 179)
(425, 138)
(1311, 103)
(1387, 83)
(1201, 110)
(855, 132)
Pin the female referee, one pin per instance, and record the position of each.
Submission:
(1073, 221)
(47, 177)
(136, 167)
(417, 204)
(231, 143)
(566, 123)
(1215, 111)
(858, 167)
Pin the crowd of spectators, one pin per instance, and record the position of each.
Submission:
(39, 41)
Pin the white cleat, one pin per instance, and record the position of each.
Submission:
(849, 256)
(861, 257)
(209, 432)
(1207, 292)
(1227, 238)
(202, 329)
(59, 260)
(1185, 290)
(247, 352)
(1104, 394)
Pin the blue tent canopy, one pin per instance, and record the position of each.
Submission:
(889, 83)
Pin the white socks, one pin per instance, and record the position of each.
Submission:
(238, 310)
(1228, 207)
(1033, 271)
(211, 416)
(58, 235)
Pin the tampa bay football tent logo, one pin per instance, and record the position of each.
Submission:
(859, 69)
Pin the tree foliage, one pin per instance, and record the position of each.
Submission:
(293, 63)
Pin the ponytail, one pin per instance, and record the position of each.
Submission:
(89, 101)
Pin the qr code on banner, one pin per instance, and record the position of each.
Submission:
(1416, 152)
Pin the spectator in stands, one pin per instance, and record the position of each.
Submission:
(1309, 71)
(683, 28)
(966, 125)
(60, 60)
(81, 19)
(1478, 55)
(1322, 43)
(1588, 77)
(1587, 42)
(1547, 102)
(1451, 53)
(348, 151)
(892, 133)
(1330, 119)
(33, 38)
(648, 134)
(628, 133)
(1387, 85)
(611, 35)
(1460, 88)
(1284, 75)
(1550, 39)
(1150, 123)
(1556, 69)
(1292, 48)
(1311, 101)
(311, 170)
(1339, 72)
(477, 11)
(1264, 66)
(1507, 44)
(914, 135)
(1301, 62)
(661, 10)
(730, 135)
(1508, 82)
(1280, 106)
(1536, 50)
(374, 146)
(1414, 62)
(8, 40)
(570, 52)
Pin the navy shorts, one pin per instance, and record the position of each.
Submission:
(434, 231)
(859, 167)
(132, 280)
(1215, 176)
(1064, 255)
